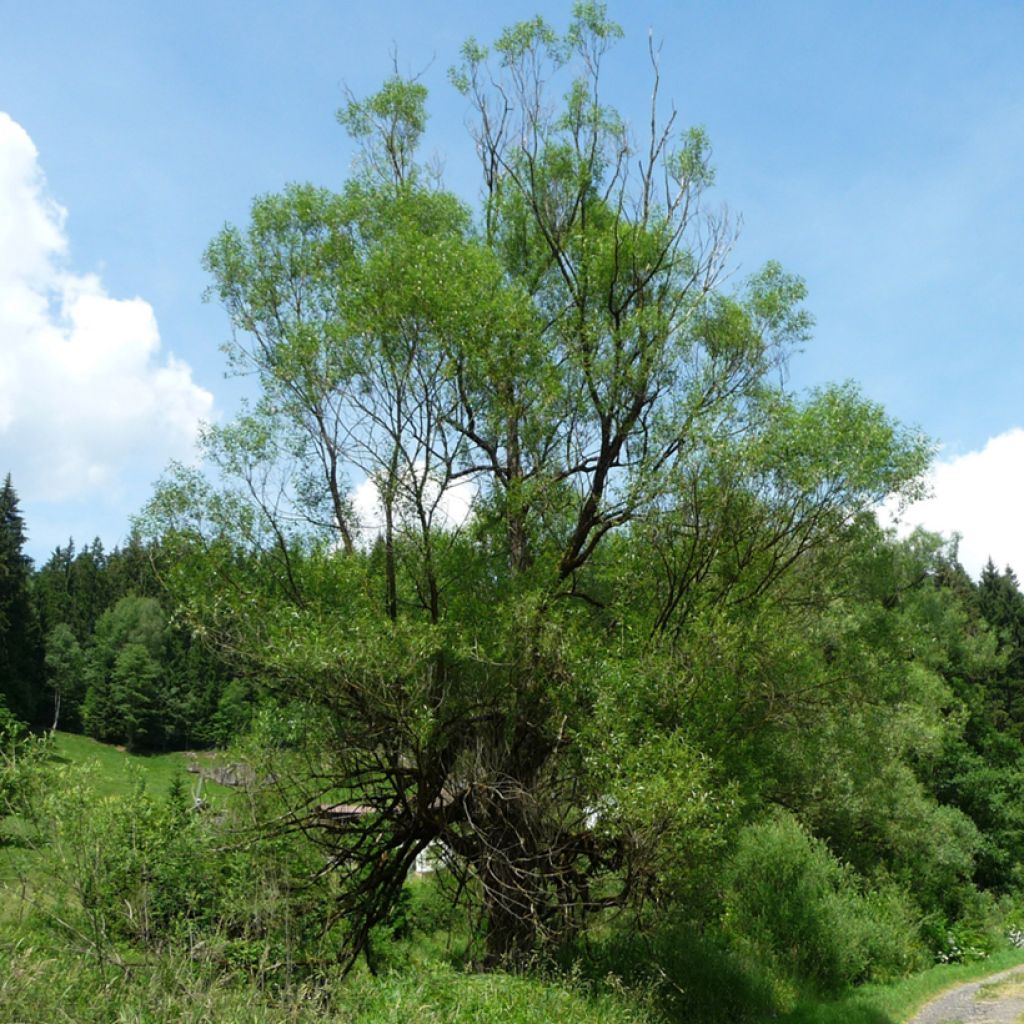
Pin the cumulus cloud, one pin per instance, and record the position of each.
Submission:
(452, 509)
(88, 403)
(980, 496)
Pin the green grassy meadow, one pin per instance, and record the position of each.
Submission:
(116, 771)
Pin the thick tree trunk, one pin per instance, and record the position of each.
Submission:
(511, 935)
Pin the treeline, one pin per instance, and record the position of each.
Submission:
(89, 644)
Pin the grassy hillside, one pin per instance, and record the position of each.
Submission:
(116, 771)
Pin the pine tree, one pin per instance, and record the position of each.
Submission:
(51, 589)
(1001, 604)
(21, 645)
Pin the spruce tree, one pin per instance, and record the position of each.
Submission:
(1001, 604)
(21, 645)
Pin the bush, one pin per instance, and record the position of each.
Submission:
(685, 974)
(790, 900)
(885, 928)
(981, 925)
(145, 870)
(141, 867)
(24, 768)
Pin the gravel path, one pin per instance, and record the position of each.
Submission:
(963, 1006)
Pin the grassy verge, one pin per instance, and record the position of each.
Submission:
(899, 1001)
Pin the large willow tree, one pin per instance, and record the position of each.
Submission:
(520, 684)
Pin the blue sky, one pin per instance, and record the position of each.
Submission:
(876, 149)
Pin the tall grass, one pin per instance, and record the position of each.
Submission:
(43, 988)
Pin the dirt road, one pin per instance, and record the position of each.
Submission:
(997, 999)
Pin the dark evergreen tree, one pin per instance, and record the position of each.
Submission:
(74, 588)
(1002, 606)
(980, 770)
(51, 589)
(132, 569)
(21, 646)
(90, 588)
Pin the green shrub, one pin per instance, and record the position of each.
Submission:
(885, 927)
(24, 768)
(141, 867)
(144, 869)
(429, 906)
(790, 900)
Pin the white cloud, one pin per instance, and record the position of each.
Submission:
(88, 404)
(453, 505)
(980, 496)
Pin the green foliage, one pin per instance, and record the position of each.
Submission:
(139, 866)
(390, 123)
(683, 973)
(992, 796)
(979, 767)
(21, 642)
(24, 769)
(178, 703)
(125, 665)
(66, 668)
(147, 870)
(640, 637)
(74, 588)
(788, 899)
(661, 794)
(235, 710)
